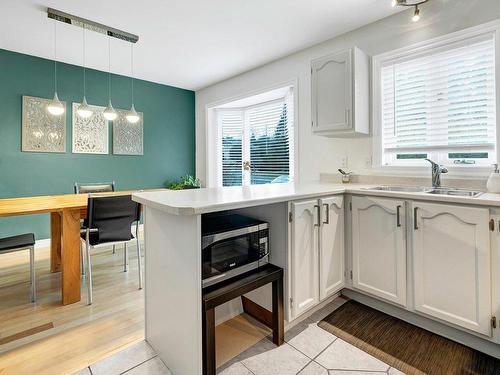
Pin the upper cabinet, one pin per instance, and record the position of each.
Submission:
(340, 94)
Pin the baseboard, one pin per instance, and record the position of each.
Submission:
(45, 242)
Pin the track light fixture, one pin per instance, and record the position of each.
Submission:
(410, 3)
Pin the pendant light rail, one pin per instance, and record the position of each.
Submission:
(91, 25)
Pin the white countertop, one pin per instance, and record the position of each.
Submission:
(199, 201)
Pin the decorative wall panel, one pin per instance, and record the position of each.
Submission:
(41, 131)
(90, 135)
(127, 137)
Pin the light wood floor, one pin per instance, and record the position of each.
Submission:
(81, 334)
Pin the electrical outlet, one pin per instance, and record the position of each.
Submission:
(344, 162)
(368, 162)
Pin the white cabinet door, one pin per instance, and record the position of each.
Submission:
(495, 269)
(451, 264)
(379, 248)
(331, 248)
(331, 82)
(304, 256)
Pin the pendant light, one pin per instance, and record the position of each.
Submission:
(132, 115)
(55, 107)
(84, 109)
(109, 113)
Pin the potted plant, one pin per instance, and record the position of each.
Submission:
(185, 182)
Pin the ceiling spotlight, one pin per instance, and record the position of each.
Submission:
(410, 3)
(416, 15)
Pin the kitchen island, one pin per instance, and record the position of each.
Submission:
(308, 217)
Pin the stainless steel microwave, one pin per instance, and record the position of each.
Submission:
(232, 245)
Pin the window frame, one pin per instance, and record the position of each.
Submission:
(214, 133)
(378, 61)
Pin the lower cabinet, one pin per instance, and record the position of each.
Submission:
(379, 247)
(495, 267)
(452, 265)
(317, 251)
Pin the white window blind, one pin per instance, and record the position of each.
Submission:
(231, 125)
(269, 142)
(257, 143)
(442, 99)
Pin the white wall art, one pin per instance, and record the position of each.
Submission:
(90, 135)
(127, 137)
(41, 131)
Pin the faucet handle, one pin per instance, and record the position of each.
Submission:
(443, 169)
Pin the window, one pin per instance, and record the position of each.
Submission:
(437, 102)
(256, 140)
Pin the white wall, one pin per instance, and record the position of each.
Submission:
(319, 154)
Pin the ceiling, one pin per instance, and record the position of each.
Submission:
(185, 43)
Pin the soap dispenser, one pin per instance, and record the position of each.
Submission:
(493, 184)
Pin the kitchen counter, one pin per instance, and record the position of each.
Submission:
(200, 201)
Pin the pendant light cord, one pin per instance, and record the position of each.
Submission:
(83, 60)
(55, 56)
(109, 68)
(132, 68)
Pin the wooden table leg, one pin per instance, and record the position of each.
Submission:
(209, 366)
(278, 313)
(70, 256)
(55, 242)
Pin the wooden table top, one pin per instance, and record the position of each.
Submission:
(50, 203)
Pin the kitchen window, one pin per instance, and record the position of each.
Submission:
(255, 140)
(437, 101)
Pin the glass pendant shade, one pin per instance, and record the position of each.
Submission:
(84, 109)
(55, 107)
(110, 113)
(132, 115)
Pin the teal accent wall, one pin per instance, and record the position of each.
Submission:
(169, 135)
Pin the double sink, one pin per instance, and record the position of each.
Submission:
(429, 190)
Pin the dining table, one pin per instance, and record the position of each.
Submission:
(65, 212)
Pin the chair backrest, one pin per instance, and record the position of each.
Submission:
(113, 216)
(98, 187)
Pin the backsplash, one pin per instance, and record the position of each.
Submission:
(460, 183)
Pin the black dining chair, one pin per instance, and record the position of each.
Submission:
(109, 222)
(90, 188)
(18, 243)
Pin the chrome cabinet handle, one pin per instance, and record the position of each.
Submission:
(398, 218)
(318, 208)
(346, 112)
(327, 221)
(415, 214)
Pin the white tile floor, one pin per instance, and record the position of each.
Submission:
(308, 350)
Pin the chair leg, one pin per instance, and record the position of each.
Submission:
(139, 262)
(82, 259)
(89, 275)
(125, 258)
(32, 274)
(114, 249)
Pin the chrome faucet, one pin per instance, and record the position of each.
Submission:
(436, 173)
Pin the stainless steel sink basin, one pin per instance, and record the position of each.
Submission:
(455, 192)
(406, 189)
(428, 190)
